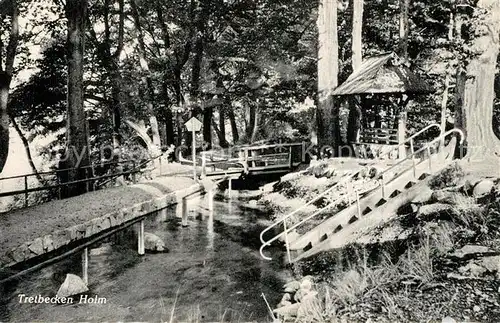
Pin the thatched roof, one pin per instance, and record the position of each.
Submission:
(383, 74)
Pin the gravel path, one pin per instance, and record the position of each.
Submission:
(22, 225)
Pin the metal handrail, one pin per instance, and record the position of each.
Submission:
(286, 217)
(333, 187)
(287, 230)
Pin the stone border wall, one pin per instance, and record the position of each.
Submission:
(61, 238)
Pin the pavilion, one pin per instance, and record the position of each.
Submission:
(383, 77)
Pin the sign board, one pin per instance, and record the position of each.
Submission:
(193, 124)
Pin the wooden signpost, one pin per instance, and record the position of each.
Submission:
(194, 125)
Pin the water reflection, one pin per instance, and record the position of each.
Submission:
(212, 273)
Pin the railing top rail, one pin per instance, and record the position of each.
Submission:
(65, 169)
(284, 145)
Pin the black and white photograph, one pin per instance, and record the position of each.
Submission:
(274, 161)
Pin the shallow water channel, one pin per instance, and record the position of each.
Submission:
(213, 272)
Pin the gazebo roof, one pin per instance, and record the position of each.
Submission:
(383, 74)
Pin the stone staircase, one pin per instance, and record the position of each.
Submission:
(398, 185)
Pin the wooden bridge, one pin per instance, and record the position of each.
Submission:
(253, 160)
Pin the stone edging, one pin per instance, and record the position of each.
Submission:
(61, 238)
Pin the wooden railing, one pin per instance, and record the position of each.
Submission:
(379, 136)
(262, 158)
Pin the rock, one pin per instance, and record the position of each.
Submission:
(37, 247)
(446, 197)
(483, 188)
(299, 295)
(286, 297)
(288, 312)
(423, 196)
(284, 304)
(469, 251)
(476, 309)
(448, 320)
(292, 287)
(253, 203)
(154, 243)
(73, 285)
(473, 269)
(102, 250)
(432, 209)
(306, 284)
(491, 264)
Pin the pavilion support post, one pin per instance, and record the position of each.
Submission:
(402, 133)
(402, 119)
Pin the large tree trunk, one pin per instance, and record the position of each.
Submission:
(483, 147)
(357, 32)
(5, 80)
(153, 121)
(328, 113)
(355, 113)
(77, 152)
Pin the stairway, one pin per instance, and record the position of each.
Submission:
(370, 210)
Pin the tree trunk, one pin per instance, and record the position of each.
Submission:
(207, 126)
(355, 113)
(404, 29)
(483, 147)
(222, 127)
(234, 126)
(252, 115)
(77, 152)
(153, 121)
(357, 29)
(255, 128)
(5, 80)
(328, 113)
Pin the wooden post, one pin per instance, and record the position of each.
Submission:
(140, 240)
(290, 158)
(25, 191)
(245, 163)
(211, 200)
(184, 212)
(402, 133)
(85, 266)
(304, 148)
(412, 148)
(134, 178)
(230, 188)
(193, 149)
(203, 165)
